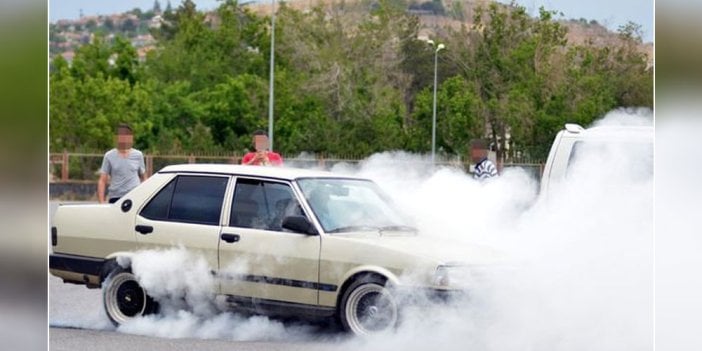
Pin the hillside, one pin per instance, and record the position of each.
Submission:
(454, 14)
(66, 35)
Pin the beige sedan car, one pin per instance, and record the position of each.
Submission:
(315, 244)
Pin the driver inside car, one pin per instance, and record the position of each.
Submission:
(319, 199)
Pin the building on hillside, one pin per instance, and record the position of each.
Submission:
(142, 40)
(68, 56)
(156, 21)
(142, 52)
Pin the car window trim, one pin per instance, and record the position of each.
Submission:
(309, 213)
(233, 175)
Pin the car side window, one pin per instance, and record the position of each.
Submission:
(190, 199)
(157, 209)
(262, 204)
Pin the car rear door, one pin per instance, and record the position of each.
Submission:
(257, 257)
(186, 212)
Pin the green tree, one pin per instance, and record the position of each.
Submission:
(125, 61)
(458, 10)
(301, 120)
(59, 66)
(92, 60)
(157, 7)
(354, 70)
(171, 19)
(128, 26)
(233, 109)
(173, 112)
(458, 117)
(190, 50)
(136, 12)
(200, 139)
(512, 64)
(109, 24)
(91, 25)
(84, 112)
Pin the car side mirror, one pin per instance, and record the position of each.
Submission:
(299, 224)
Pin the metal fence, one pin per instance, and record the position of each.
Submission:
(73, 167)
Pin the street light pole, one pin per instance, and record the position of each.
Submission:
(270, 84)
(433, 119)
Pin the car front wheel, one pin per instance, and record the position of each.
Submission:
(368, 307)
(124, 299)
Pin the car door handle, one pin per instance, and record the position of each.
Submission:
(144, 229)
(230, 238)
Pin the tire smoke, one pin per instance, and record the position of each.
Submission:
(579, 274)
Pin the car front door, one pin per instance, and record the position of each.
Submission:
(260, 259)
(186, 212)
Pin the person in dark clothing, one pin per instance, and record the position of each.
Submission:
(484, 168)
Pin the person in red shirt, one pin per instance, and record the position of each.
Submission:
(261, 157)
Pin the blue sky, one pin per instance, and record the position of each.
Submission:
(70, 9)
(611, 13)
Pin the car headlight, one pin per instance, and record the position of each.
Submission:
(451, 276)
(459, 276)
(441, 276)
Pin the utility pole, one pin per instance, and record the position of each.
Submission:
(270, 89)
(433, 119)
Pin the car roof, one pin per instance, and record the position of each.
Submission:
(612, 132)
(286, 173)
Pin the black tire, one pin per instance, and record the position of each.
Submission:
(368, 307)
(124, 299)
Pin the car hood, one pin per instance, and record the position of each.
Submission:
(441, 250)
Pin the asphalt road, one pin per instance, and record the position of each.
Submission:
(97, 340)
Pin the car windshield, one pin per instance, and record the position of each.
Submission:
(346, 205)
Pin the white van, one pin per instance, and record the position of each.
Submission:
(575, 140)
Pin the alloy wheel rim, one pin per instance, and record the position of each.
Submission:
(371, 309)
(125, 298)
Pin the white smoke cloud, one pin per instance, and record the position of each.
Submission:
(448, 203)
(641, 116)
(582, 277)
(585, 279)
(224, 325)
(161, 273)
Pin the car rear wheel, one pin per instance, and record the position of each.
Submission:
(124, 299)
(368, 307)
